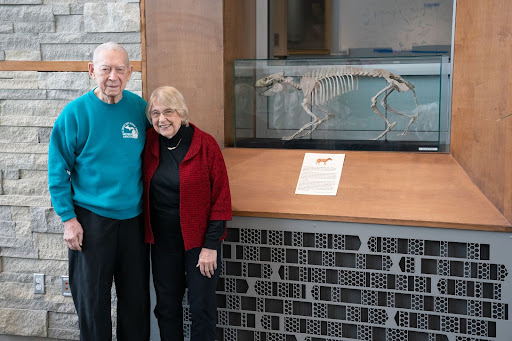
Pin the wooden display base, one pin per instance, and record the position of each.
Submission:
(414, 189)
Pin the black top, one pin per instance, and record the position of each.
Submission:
(164, 190)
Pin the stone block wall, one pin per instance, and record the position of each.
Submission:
(66, 29)
(30, 101)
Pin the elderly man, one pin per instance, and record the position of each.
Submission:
(95, 178)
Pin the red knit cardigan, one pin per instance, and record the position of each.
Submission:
(204, 186)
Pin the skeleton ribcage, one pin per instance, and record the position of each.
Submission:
(332, 87)
(335, 82)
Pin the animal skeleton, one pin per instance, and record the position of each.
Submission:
(321, 86)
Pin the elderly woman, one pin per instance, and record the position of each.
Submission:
(186, 203)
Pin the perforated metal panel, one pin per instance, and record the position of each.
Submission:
(298, 280)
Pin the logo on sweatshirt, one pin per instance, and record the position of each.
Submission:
(130, 131)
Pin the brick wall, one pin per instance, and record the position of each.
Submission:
(30, 101)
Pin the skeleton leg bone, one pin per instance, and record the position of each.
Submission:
(328, 116)
(307, 125)
(316, 121)
(377, 111)
(412, 118)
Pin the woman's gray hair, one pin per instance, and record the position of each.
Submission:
(109, 47)
(170, 98)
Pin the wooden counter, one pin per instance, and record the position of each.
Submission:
(416, 189)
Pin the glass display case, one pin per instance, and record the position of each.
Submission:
(392, 104)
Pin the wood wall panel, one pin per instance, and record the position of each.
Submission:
(239, 43)
(481, 138)
(184, 49)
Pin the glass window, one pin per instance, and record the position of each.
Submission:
(359, 28)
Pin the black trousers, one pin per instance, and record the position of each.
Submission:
(111, 249)
(173, 270)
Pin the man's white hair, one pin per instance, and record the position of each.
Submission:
(108, 47)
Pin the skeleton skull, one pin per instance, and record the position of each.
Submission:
(270, 80)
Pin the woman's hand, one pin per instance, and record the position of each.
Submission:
(207, 262)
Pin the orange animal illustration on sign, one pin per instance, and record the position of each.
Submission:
(319, 161)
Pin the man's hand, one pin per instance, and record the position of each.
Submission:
(207, 262)
(73, 234)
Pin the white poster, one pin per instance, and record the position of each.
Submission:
(320, 174)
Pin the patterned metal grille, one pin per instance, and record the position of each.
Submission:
(296, 281)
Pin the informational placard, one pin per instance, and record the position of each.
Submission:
(320, 174)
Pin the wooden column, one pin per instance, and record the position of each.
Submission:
(191, 45)
(184, 49)
(481, 139)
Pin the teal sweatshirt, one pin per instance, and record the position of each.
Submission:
(94, 158)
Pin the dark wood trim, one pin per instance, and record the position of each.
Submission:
(145, 94)
(239, 29)
(308, 52)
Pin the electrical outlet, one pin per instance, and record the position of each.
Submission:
(66, 290)
(38, 283)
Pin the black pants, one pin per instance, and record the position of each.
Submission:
(173, 270)
(112, 249)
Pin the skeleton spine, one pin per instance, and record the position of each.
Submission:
(337, 81)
